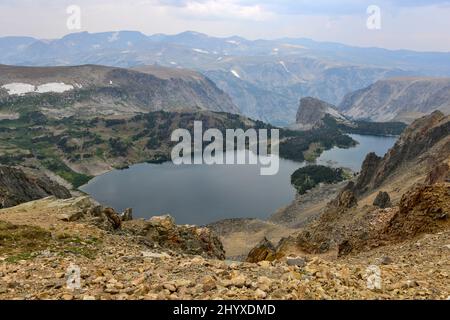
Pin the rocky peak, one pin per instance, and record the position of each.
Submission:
(312, 111)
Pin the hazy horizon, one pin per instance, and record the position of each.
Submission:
(408, 24)
(230, 36)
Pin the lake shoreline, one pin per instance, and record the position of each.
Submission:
(228, 191)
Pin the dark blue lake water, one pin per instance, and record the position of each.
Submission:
(201, 194)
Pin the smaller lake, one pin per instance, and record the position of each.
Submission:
(202, 194)
(354, 157)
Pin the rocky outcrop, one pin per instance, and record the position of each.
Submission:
(127, 215)
(345, 200)
(264, 251)
(368, 171)
(86, 210)
(158, 231)
(326, 232)
(439, 173)
(162, 232)
(16, 187)
(424, 209)
(399, 99)
(425, 143)
(383, 200)
(312, 111)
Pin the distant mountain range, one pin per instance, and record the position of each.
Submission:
(264, 78)
(398, 99)
(91, 90)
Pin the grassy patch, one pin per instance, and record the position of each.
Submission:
(25, 242)
(314, 151)
(20, 242)
(61, 169)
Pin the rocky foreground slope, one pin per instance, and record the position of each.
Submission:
(44, 242)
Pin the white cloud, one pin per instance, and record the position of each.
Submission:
(414, 24)
(223, 9)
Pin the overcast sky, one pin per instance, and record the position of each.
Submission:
(409, 24)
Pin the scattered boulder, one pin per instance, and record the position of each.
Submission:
(264, 251)
(346, 199)
(208, 283)
(127, 215)
(386, 260)
(344, 248)
(113, 218)
(296, 261)
(383, 200)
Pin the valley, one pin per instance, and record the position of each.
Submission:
(87, 179)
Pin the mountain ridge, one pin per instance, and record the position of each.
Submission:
(398, 99)
(100, 90)
(283, 69)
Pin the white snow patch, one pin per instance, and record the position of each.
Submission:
(233, 42)
(24, 88)
(54, 87)
(284, 66)
(19, 88)
(219, 58)
(200, 51)
(114, 37)
(236, 74)
(173, 63)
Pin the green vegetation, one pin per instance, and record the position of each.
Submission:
(296, 143)
(314, 151)
(19, 242)
(63, 144)
(367, 127)
(61, 169)
(306, 178)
